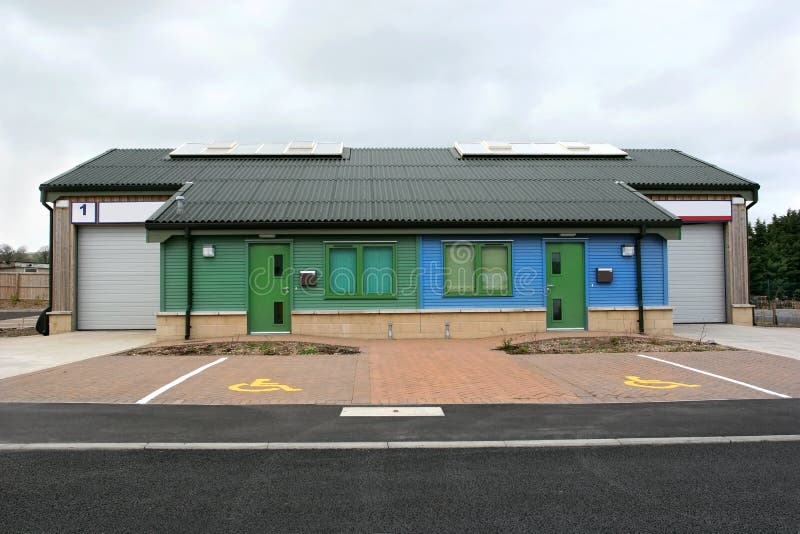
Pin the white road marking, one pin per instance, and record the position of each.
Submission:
(162, 389)
(391, 411)
(739, 382)
(530, 444)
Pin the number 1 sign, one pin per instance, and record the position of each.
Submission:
(84, 212)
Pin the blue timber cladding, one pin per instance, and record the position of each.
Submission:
(527, 259)
(220, 283)
(527, 274)
(605, 251)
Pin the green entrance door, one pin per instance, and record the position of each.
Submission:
(566, 305)
(270, 282)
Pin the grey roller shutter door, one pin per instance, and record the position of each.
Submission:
(118, 278)
(697, 275)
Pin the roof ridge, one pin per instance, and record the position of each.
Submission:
(143, 148)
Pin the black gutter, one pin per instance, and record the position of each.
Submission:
(639, 284)
(753, 203)
(109, 188)
(647, 187)
(389, 225)
(189, 284)
(43, 323)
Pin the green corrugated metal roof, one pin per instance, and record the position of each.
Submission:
(402, 185)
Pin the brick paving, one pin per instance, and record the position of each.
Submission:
(112, 379)
(777, 373)
(602, 377)
(321, 379)
(454, 372)
(407, 372)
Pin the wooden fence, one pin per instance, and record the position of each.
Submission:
(26, 286)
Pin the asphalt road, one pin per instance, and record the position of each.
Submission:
(741, 487)
(60, 423)
(16, 314)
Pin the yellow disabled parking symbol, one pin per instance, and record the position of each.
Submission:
(261, 385)
(639, 382)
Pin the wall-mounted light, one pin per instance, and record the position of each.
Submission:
(628, 250)
(266, 236)
(566, 235)
(209, 251)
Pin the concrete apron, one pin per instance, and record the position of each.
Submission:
(776, 340)
(19, 355)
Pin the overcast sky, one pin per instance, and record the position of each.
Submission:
(719, 80)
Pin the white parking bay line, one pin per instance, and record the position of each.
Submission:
(739, 382)
(162, 389)
(391, 411)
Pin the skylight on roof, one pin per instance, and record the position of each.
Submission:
(497, 145)
(562, 148)
(574, 145)
(232, 148)
(222, 145)
(298, 146)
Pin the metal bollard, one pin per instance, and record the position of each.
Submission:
(391, 334)
(447, 329)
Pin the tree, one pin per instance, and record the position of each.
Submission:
(9, 255)
(21, 254)
(42, 255)
(6, 253)
(774, 249)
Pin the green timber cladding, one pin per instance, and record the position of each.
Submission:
(309, 253)
(220, 283)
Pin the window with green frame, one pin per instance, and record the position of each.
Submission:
(360, 270)
(477, 269)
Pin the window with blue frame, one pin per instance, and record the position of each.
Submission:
(360, 270)
(477, 269)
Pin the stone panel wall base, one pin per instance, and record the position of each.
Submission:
(171, 326)
(413, 325)
(742, 314)
(60, 322)
(657, 321)
(418, 325)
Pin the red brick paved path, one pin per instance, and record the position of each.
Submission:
(408, 372)
(454, 372)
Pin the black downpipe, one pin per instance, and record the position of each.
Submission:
(189, 277)
(42, 323)
(639, 284)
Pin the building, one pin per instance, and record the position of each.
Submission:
(477, 239)
(24, 267)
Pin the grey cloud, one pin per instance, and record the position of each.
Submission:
(717, 79)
